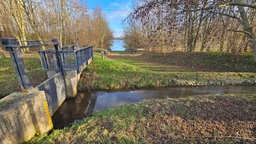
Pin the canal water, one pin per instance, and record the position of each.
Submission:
(118, 45)
(85, 103)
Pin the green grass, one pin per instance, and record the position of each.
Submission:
(207, 61)
(158, 70)
(197, 119)
(146, 62)
(8, 79)
(200, 119)
(110, 74)
(191, 61)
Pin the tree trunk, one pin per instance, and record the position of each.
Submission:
(247, 29)
(222, 40)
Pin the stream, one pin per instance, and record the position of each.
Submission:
(85, 103)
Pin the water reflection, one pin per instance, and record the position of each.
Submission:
(74, 110)
(86, 103)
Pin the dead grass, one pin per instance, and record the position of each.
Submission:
(197, 119)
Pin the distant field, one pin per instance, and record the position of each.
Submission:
(190, 61)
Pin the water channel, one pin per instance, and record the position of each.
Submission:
(85, 103)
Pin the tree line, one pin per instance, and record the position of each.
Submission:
(192, 25)
(68, 20)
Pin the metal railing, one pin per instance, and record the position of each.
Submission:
(82, 57)
(70, 59)
(13, 46)
(51, 59)
(48, 59)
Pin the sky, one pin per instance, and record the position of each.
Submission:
(115, 11)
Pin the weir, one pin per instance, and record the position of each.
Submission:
(64, 66)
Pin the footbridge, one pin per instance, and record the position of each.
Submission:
(64, 66)
(23, 114)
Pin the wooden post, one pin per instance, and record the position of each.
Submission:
(102, 55)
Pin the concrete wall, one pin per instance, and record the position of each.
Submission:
(22, 116)
(55, 91)
(72, 78)
(57, 88)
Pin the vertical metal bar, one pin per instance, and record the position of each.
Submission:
(57, 53)
(11, 45)
(45, 61)
(80, 59)
(91, 52)
(77, 63)
(20, 69)
(62, 56)
(86, 55)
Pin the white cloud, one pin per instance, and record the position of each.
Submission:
(119, 10)
(116, 14)
(115, 4)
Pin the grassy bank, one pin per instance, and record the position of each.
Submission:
(149, 70)
(198, 119)
(126, 73)
(191, 61)
(8, 79)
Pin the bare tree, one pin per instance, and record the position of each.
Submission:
(205, 20)
(68, 20)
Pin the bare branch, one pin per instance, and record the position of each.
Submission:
(242, 4)
(231, 16)
(241, 31)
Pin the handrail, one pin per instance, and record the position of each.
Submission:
(70, 59)
(51, 59)
(80, 49)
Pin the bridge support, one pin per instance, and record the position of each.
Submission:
(71, 79)
(22, 116)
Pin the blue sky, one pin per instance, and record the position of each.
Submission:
(115, 11)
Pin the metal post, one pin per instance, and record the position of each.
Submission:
(77, 62)
(59, 64)
(11, 45)
(91, 52)
(45, 61)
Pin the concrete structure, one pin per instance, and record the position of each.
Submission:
(72, 78)
(57, 88)
(55, 91)
(22, 116)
